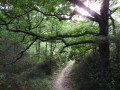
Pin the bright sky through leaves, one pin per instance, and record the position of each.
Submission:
(92, 5)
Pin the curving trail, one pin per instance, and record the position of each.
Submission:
(62, 79)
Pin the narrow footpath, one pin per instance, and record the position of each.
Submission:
(62, 80)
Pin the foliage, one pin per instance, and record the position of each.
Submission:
(86, 73)
(26, 76)
(41, 35)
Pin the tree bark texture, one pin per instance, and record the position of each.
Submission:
(104, 44)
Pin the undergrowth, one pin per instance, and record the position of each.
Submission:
(29, 74)
(86, 74)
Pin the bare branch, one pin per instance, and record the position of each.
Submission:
(26, 12)
(114, 10)
(22, 52)
(23, 38)
(59, 16)
(29, 21)
(88, 17)
(76, 43)
(38, 24)
(113, 24)
(43, 2)
(26, 32)
(4, 22)
(64, 42)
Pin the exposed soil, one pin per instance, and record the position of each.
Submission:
(62, 80)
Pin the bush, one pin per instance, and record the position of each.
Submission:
(8, 82)
(86, 73)
(34, 79)
(50, 65)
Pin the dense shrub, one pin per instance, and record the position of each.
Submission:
(34, 79)
(49, 65)
(86, 75)
(8, 82)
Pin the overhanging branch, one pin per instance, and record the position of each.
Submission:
(85, 16)
(56, 37)
(76, 43)
(26, 32)
(77, 35)
(80, 4)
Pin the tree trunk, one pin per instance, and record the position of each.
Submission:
(104, 47)
(39, 49)
(104, 56)
(46, 49)
(36, 47)
(104, 44)
(39, 42)
(51, 48)
(117, 53)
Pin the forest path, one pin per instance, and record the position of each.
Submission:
(62, 80)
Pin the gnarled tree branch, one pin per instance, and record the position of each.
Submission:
(56, 37)
(75, 43)
(21, 53)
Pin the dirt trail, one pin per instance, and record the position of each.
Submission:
(62, 79)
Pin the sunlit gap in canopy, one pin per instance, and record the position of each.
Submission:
(95, 6)
(116, 15)
(7, 7)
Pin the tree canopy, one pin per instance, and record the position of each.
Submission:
(32, 18)
(83, 30)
